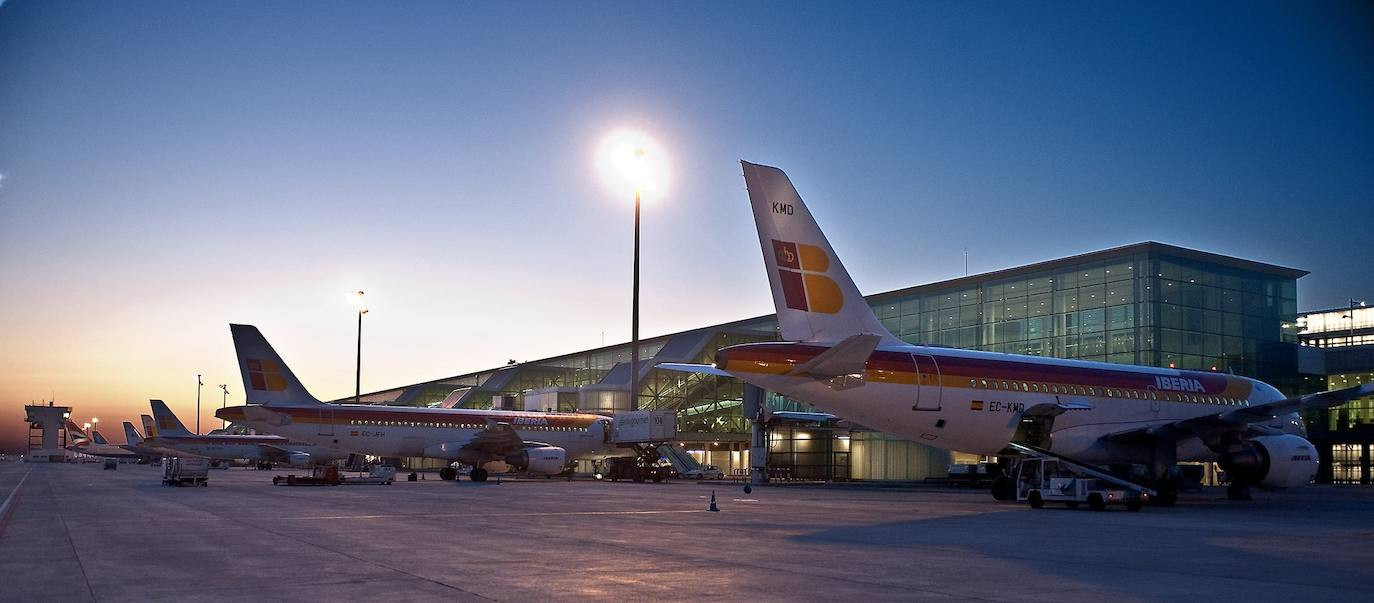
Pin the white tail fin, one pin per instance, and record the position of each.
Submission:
(167, 422)
(75, 432)
(813, 294)
(149, 426)
(266, 378)
(99, 438)
(131, 436)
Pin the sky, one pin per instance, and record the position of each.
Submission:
(167, 168)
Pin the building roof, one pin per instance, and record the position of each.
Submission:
(1146, 247)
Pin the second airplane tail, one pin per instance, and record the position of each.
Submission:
(812, 292)
(266, 378)
(131, 436)
(167, 422)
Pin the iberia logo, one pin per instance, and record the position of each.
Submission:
(265, 375)
(803, 287)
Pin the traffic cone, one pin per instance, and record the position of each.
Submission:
(714, 508)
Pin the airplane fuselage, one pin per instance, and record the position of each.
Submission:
(974, 401)
(235, 447)
(423, 432)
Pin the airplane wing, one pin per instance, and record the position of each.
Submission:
(1241, 418)
(497, 441)
(683, 367)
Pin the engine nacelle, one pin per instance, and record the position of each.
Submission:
(298, 459)
(1279, 461)
(543, 460)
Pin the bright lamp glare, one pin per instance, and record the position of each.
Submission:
(630, 161)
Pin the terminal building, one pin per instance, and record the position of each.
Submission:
(1148, 303)
(1338, 345)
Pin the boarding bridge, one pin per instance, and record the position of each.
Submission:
(677, 456)
(1084, 468)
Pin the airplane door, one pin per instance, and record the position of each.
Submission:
(928, 378)
(326, 422)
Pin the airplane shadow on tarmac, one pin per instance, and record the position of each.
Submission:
(1267, 548)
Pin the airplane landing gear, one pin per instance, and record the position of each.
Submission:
(1167, 493)
(1237, 491)
(448, 474)
(478, 474)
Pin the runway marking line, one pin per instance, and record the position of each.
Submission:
(7, 507)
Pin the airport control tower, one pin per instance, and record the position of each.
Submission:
(47, 432)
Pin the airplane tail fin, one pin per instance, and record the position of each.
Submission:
(266, 378)
(812, 292)
(131, 436)
(99, 439)
(149, 426)
(167, 421)
(75, 432)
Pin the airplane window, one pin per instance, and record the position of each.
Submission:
(973, 383)
(1035, 387)
(1004, 385)
(984, 382)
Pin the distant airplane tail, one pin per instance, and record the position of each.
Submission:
(266, 378)
(99, 439)
(131, 436)
(167, 422)
(149, 426)
(75, 432)
(815, 298)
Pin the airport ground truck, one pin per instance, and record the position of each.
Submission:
(1042, 480)
(185, 471)
(641, 431)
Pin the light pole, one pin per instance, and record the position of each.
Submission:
(95, 422)
(629, 159)
(224, 387)
(357, 298)
(198, 385)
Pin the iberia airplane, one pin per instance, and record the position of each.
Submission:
(839, 358)
(491, 441)
(169, 434)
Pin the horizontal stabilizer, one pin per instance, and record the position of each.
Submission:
(847, 357)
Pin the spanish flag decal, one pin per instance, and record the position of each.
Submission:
(976, 405)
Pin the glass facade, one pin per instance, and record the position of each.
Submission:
(1143, 308)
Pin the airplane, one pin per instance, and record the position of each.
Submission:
(95, 444)
(173, 437)
(491, 441)
(134, 442)
(838, 357)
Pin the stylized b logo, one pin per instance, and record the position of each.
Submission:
(802, 287)
(264, 375)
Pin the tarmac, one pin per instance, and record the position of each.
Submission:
(77, 532)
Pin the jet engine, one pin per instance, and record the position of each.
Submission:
(298, 459)
(542, 460)
(1278, 461)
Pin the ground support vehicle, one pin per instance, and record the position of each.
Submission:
(1042, 480)
(320, 476)
(381, 475)
(181, 471)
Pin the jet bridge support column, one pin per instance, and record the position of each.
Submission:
(758, 442)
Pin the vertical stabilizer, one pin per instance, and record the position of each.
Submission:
(131, 436)
(99, 439)
(812, 292)
(149, 426)
(167, 422)
(266, 378)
